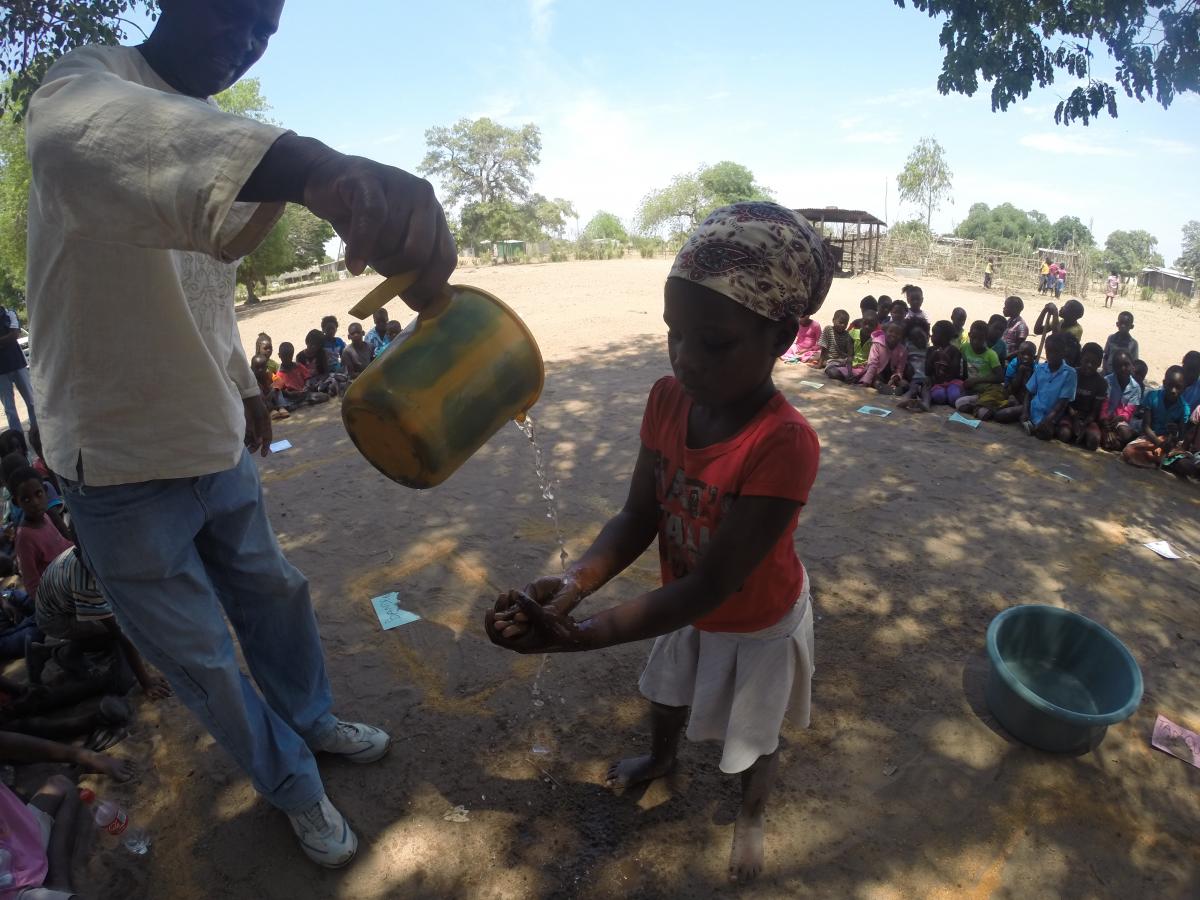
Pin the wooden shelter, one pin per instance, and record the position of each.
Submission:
(856, 250)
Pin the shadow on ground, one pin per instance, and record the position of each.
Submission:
(919, 531)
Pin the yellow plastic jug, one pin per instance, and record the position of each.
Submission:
(465, 366)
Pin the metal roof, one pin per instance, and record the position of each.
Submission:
(1172, 273)
(834, 214)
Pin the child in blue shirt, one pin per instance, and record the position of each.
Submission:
(1050, 389)
(1164, 416)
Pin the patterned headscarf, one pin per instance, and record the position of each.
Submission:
(761, 255)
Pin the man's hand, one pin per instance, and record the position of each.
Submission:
(388, 218)
(258, 425)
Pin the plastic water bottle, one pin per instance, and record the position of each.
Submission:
(7, 879)
(111, 818)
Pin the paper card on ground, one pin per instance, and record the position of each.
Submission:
(815, 385)
(963, 420)
(1163, 549)
(1063, 475)
(874, 411)
(387, 608)
(280, 446)
(1176, 740)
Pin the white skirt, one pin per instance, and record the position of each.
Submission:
(740, 687)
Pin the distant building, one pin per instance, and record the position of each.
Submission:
(854, 250)
(1166, 280)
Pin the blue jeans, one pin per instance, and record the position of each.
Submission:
(170, 555)
(19, 379)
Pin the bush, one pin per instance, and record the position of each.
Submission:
(1146, 294)
(1176, 300)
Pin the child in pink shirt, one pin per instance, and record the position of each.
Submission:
(804, 348)
(40, 536)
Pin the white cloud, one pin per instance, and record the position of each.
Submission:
(848, 122)
(1070, 145)
(542, 14)
(1168, 145)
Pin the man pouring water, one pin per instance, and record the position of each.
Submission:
(144, 195)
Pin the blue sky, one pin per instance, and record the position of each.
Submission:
(822, 101)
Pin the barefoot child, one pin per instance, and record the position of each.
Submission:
(292, 379)
(263, 346)
(944, 366)
(1081, 424)
(1164, 414)
(983, 388)
(1049, 390)
(1120, 405)
(733, 620)
(804, 347)
(996, 326)
(916, 398)
(271, 395)
(1016, 332)
(358, 354)
(1016, 377)
(863, 337)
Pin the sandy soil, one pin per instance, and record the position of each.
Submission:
(918, 533)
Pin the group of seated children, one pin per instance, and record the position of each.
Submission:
(323, 368)
(1085, 394)
(65, 668)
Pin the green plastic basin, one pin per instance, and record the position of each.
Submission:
(1057, 679)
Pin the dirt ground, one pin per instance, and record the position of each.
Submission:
(918, 532)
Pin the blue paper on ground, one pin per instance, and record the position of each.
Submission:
(874, 411)
(280, 446)
(963, 420)
(390, 614)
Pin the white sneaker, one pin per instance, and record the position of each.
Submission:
(356, 742)
(324, 834)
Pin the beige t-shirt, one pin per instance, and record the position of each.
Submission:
(134, 233)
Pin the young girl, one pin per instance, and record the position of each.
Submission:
(804, 347)
(1120, 405)
(958, 318)
(41, 536)
(983, 388)
(263, 347)
(724, 470)
(864, 337)
(944, 367)
(323, 377)
(916, 397)
(1111, 288)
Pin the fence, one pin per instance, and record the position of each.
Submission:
(1013, 273)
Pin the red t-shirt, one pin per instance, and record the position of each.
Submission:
(37, 547)
(775, 455)
(292, 379)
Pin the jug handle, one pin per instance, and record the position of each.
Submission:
(389, 289)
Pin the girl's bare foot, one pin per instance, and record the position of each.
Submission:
(102, 764)
(746, 856)
(635, 770)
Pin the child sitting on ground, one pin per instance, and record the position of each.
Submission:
(358, 353)
(263, 346)
(394, 330)
(1124, 397)
(1016, 376)
(334, 344)
(1191, 396)
(1016, 332)
(996, 326)
(1121, 340)
(1081, 423)
(888, 359)
(41, 536)
(862, 337)
(983, 388)
(916, 299)
(1053, 320)
(958, 318)
(884, 309)
(1164, 414)
(915, 395)
(867, 303)
(271, 395)
(292, 379)
(836, 346)
(944, 367)
(733, 622)
(804, 347)
(322, 377)
(1049, 390)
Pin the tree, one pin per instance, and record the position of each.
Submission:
(14, 210)
(926, 178)
(482, 161)
(605, 226)
(1069, 230)
(551, 215)
(914, 231)
(690, 197)
(245, 99)
(1151, 43)
(1006, 228)
(33, 33)
(1190, 260)
(1131, 251)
